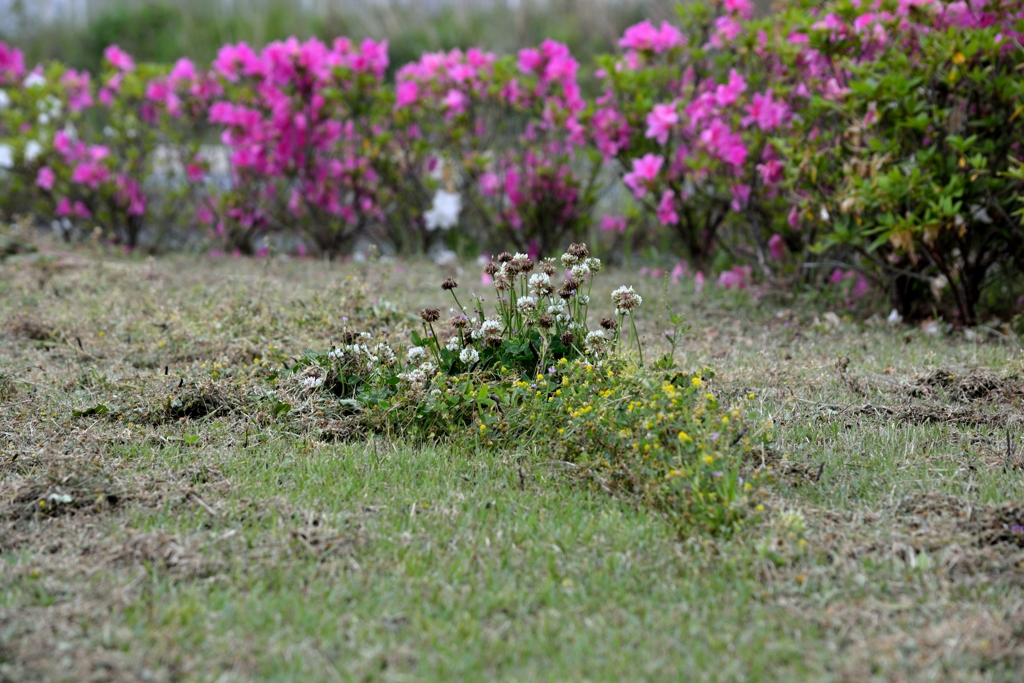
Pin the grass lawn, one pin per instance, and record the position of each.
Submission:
(155, 525)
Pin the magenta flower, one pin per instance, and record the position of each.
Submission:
(666, 209)
(744, 8)
(614, 224)
(766, 112)
(771, 172)
(119, 59)
(46, 178)
(455, 101)
(12, 63)
(728, 93)
(740, 197)
(90, 174)
(660, 122)
(793, 219)
(406, 93)
(645, 170)
(776, 247)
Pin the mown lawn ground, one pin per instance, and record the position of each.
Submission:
(158, 522)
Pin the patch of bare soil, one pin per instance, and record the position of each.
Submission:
(967, 386)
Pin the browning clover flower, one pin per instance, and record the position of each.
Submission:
(504, 257)
(609, 324)
(458, 321)
(569, 288)
(545, 322)
(547, 267)
(449, 284)
(430, 315)
(567, 338)
(625, 300)
(523, 262)
(491, 268)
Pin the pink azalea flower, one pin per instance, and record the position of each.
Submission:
(614, 224)
(406, 93)
(776, 247)
(666, 209)
(793, 219)
(771, 172)
(46, 178)
(660, 122)
(740, 197)
(744, 8)
(645, 170)
(766, 112)
(12, 63)
(455, 101)
(698, 282)
(119, 59)
(726, 94)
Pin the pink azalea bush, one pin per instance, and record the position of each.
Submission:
(510, 132)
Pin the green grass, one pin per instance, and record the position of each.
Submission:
(241, 546)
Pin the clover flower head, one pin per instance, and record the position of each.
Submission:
(580, 270)
(430, 315)
(312, 382)
(625, 300)
(526, 304)
(596, 342)
(469, 355)
(594, 264)
(453, 344)
(449, 284)
(539, 285)
(416, 353)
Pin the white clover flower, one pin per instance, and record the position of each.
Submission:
(539, 285)
(625, 300)
(6, 156)
(595, 342)
(32, 151)
(568, 260)
(312, 382)
(385, 353)
(580, 270)
(563, 318)
(526, 304)
(594, 264)
(417, 352)
(335, 354)
(491, 328)
(428, 368)
(557, 306)
(469, 355)
(453, 344)
(5, 100)
(444, 213)
(521, 257)
(584, 299)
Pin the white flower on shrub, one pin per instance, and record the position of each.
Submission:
(6, 156)
(34, 79)
(444, 213)
(32, 151)
(417, 352)
(469, 355)
(5, 100)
